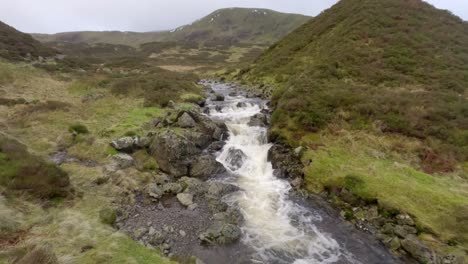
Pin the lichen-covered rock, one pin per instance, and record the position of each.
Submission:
(220, 189)
(205, 166)
(193, 185)
(186, 199)
(186, 121)
(122, 161)
(172, 187)
(123, 144)
(173, 152)
(417, 249)
(221, 234)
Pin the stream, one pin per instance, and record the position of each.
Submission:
(279, 225)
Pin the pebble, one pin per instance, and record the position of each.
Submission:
(182, 233)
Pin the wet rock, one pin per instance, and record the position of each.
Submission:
(221, 234)
(235, 158)
(123, 144)
(186, 121)
(258, 120)
(122, 161)
(417, 249)
(215, 204)
(173, 153)
(186, 199)
(172, 187)
(217, 97)
(284, 162)
(241, 105)
(216, 146)
(218, 108)
(205, 166)
(234, 93)
(297, 182)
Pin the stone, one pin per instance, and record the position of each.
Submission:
(388, 229)
(122, 161)
(297, 182)
(221, 234)
(161, 179)
(182, 233)
(185, 199)
(172, 187)
(142, 142)
(192, 185)
(241, 105)
(192, 207)
(186, 121)
(124, 144)
(140, 232)
(155, 191)
(404, 231)
(258, 120)
(217, 97)
(417, 249)
(151, 231)
(173, 152)
(404, 219)
(395, 244)
(206, 166)
(216, 146)
(220, 189)
(235, 158)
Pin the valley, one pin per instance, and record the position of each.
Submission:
(248, 136)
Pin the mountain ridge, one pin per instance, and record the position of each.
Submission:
(231, 29)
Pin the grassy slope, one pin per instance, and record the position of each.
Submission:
(15, 45)
(74, 224)
(381, 69)
(228, 26)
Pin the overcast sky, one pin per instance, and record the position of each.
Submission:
(51, 16)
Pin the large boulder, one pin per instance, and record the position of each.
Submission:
(235, 158)
(285, 163)
(173, 152)
(186, 121)
(205, 166)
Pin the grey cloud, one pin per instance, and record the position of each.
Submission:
(50, 16)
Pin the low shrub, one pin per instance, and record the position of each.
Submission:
(78, 129)
(108, 216)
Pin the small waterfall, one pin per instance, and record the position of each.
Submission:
(278, 229)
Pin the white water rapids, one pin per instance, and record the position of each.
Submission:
(278, 229)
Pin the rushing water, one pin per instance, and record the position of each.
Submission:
(278, 229)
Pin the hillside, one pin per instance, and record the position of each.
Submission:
(376, 91)
(15, 45)
(225, 26)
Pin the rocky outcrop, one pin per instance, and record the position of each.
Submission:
(186, 121)
(286, 164)
(417, 249)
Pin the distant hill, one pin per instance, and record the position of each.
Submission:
(222, 27)
(15, 45)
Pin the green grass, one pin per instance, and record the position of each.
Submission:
(367, 166)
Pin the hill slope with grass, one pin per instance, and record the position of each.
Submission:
(222, 27)
(376, 91)
(15, 45)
